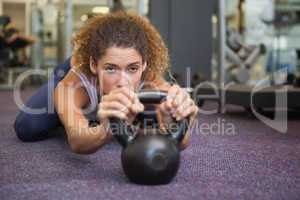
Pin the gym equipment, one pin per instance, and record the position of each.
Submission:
(247, 96)
(240, 57)
(279, 58)
(241, 94)
(13, 59)
(11, 41)
(149, 159)
(296, 82)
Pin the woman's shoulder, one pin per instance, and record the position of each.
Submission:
(70, 79)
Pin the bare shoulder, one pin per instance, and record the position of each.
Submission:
(71, 83)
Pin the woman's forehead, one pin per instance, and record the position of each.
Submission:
(118, 55)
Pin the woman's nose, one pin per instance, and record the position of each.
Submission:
(124, 80)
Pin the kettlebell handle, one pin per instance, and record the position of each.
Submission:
(124, 133)
(153, 97)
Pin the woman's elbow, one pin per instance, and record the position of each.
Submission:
(79, 146)
(79, 150)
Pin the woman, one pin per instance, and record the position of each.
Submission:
(114, 56)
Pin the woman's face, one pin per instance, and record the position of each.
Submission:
(119, 67)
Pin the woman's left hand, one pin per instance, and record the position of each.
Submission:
(179, 104)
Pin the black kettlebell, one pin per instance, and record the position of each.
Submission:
(149, 159)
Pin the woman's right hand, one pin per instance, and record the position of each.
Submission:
(122, 103)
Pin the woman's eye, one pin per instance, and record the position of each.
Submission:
(133, 69)
(110, 69)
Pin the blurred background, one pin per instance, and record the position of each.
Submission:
(240, 57)
(257, 37)
(36, 34)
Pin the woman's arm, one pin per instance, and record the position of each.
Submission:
(69, 99)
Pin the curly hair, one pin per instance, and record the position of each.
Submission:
(124, 30)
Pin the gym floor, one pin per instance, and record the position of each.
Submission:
(255, 162)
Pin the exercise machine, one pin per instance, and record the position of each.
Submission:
(257, 97)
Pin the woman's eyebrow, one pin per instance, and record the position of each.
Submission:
(130, 64)
(134, 63)
(111, 64)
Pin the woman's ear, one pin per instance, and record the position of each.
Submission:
(93, 66)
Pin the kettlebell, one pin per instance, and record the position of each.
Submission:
(149, 159)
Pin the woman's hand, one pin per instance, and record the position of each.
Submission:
(178, 105)
(122, 103)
